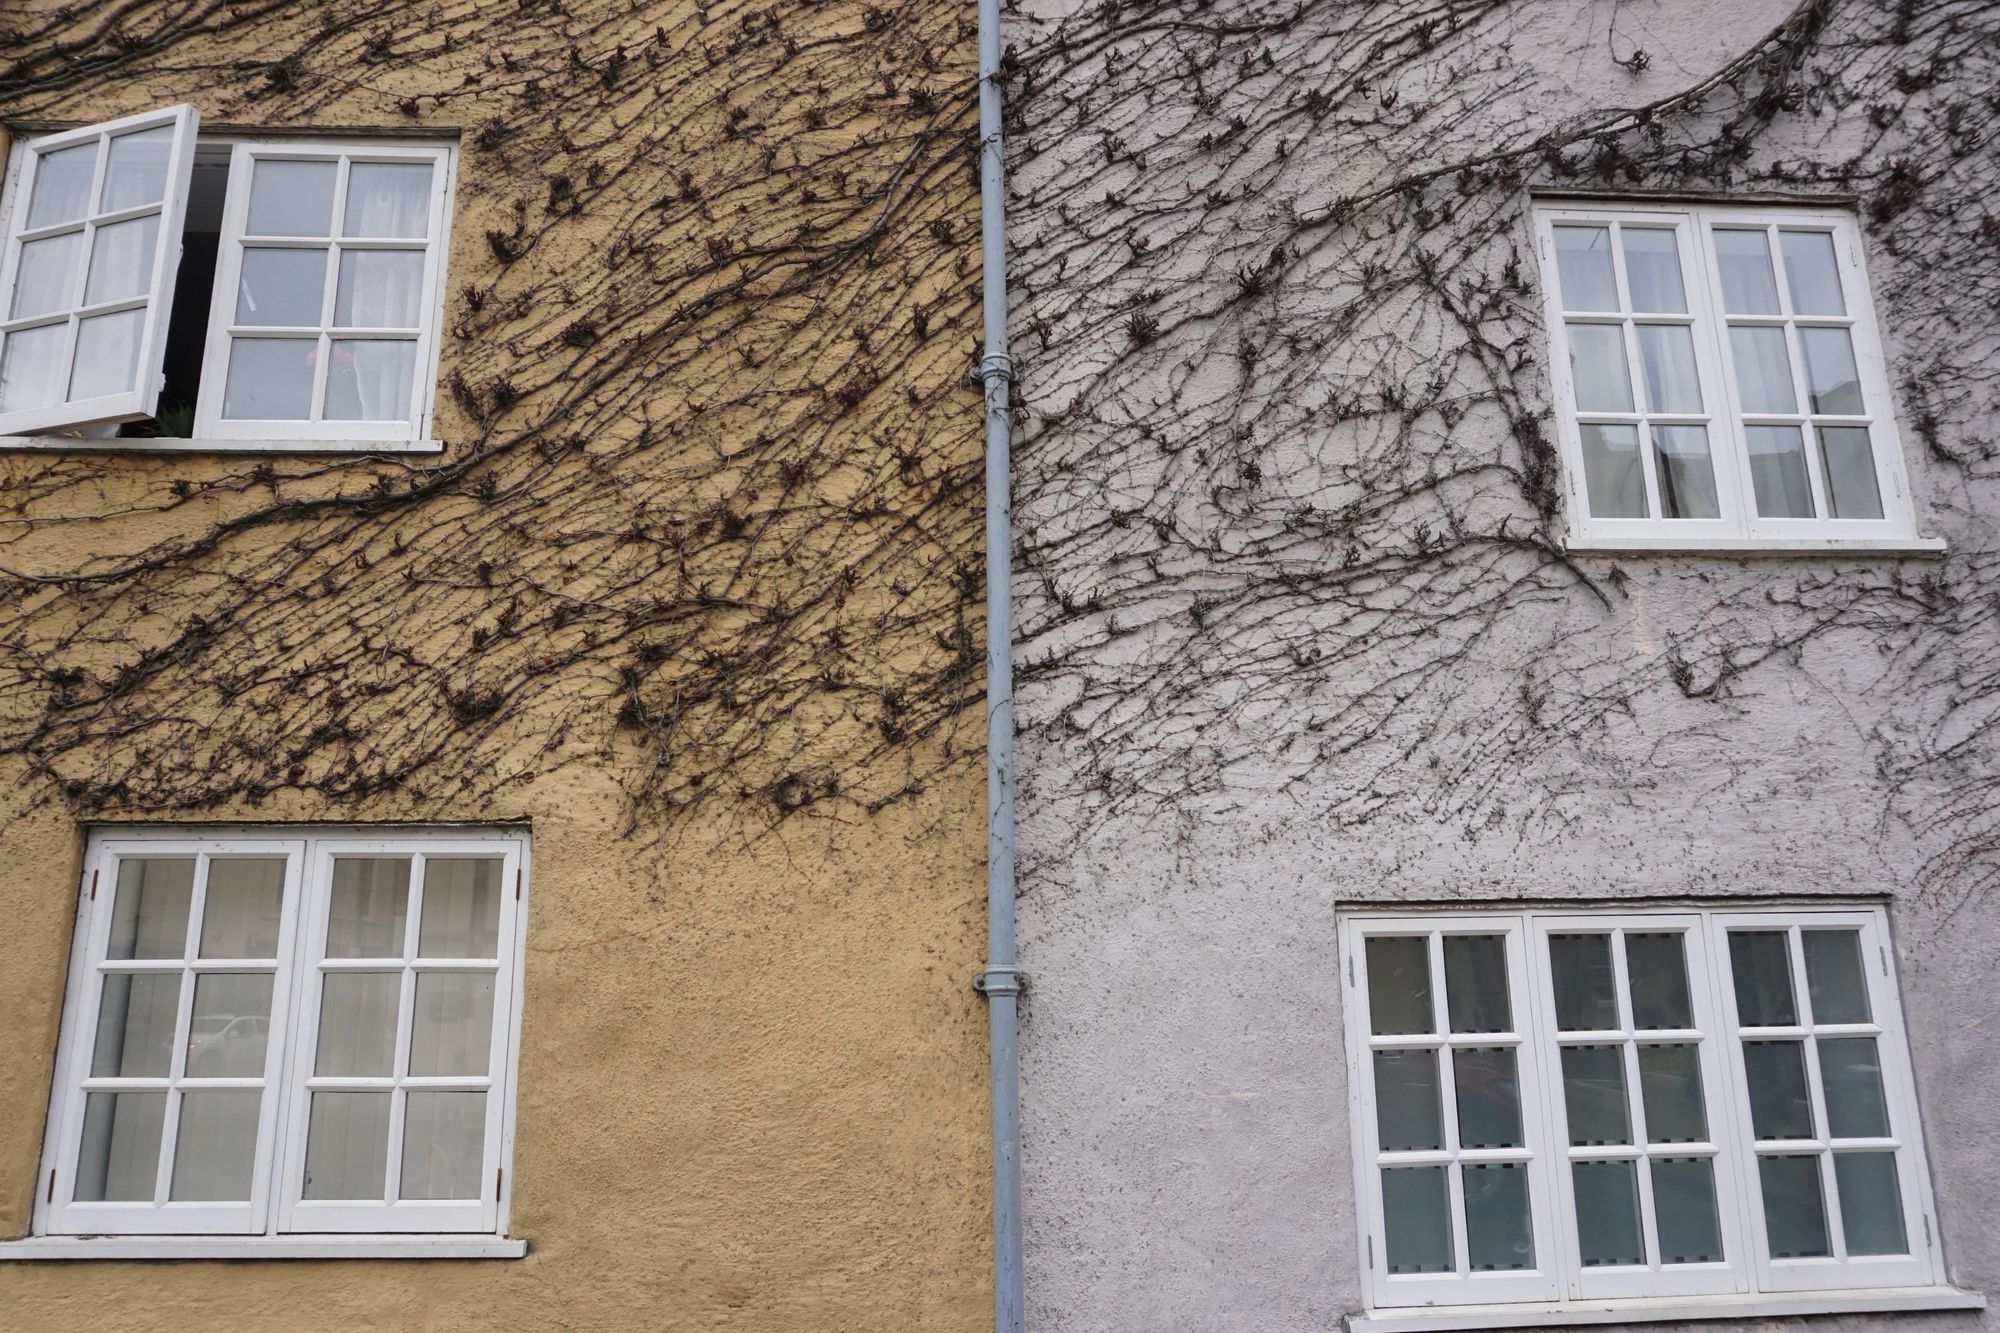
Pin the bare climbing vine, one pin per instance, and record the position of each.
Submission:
(707, 516)
(1289, 508)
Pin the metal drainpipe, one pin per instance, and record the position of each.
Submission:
(1000, 981)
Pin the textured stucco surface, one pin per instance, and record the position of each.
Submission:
(751, 1091)
(1186, 1142)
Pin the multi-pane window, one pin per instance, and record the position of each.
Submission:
(287, 1035)
(1561, 1107)
(1719, 378)
(161, 284)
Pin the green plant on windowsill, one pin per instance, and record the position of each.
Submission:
(174, 421)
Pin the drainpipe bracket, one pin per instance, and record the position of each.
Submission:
(1000, 979)
(996, 364)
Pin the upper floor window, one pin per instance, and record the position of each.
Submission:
(1720, 379)
(283, 1035)
(1590, 1106)
(158, 284)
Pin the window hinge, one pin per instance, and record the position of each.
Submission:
(517, 884)
(1928, 1242)
(499, 1172)
(52, 1195)
(1350, 969)
(1882, 951)
(1371, 1251)
(93, 885)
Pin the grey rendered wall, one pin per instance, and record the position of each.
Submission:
(1297, 629)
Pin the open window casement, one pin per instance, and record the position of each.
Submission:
(93, 240)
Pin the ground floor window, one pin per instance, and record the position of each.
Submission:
(288, 1033)
(1558, 1106)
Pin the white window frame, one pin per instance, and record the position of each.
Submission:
(1747, 1281)
(276, 1218)
(142, 397)
(1739, 527)
(210, 424)
(84, 426)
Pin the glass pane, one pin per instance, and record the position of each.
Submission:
(46, 279)
(1408, 1115)
(1831, 379)
(453, 1032)
(1613, 477)
(347, 1146)
(1670, 1089)
(216, 1145)
(290, 198)
(1653, 270)
(1871, 1204)
(379, 289)
(1687, 477)
(119, 1161)
(136, 1017)
(1778, 471)
(1475, 983)
(230, 1026)
(1607, 1213)
(240, 910)
(1499, 1235)
(1762, 966)
(281, 288)
(107, 355)
(1763, 369)
(1745, 261)
(357, 1024)
(31, 367)
(370, 380)
(1851, 1078)
(1810, 272)
(136, 171)
(1672, 383)
(121, 260)
(444, 1145)
(1597, 364)
(1594, 1093)
(1416, 1219)
(461, 916)
(1780, 1107)
(1848, 464)
(1399, 985)
(62, 194)
(1584, 983)
(270, 379)
(1794, 1211)
(1834, 978)
(1656, 970)
(388, 199)
(150, 918)
(1684, 1210)
(1583, 265)
(370, 902)
(1489, 1097)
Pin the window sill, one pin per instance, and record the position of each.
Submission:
(168, 445)
(264, 1247)
(1866, 1301)
(1898, 546)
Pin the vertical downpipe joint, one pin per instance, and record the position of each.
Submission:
(1000, 981)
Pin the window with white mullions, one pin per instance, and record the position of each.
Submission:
(1582, 1106)
(323, 291)
(1632, 1010)
(398, 1128)
(1826, 1105)
(1452, 1149)
(92, 246)
(287, 1036)
(1720, 378)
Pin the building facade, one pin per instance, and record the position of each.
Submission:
(490, 704)
(1505, 518)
